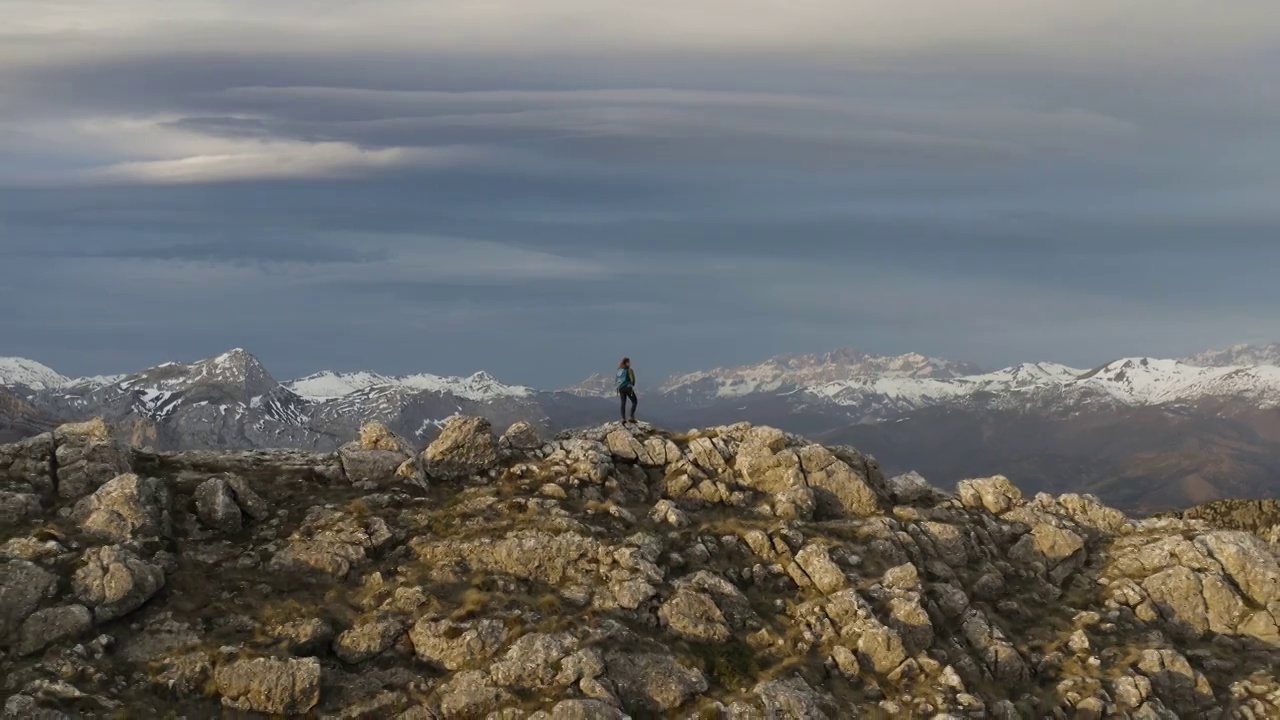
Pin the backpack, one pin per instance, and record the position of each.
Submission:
(626, 378)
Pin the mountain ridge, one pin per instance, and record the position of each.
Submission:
(898, 405)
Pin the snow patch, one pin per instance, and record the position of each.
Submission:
(15, 371)
(480, 387)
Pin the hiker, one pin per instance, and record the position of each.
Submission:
(626, 383)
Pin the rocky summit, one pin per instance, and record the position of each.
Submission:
(736, 572)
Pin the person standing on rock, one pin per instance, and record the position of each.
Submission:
(626, 384)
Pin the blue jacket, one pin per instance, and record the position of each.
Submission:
(625, 378)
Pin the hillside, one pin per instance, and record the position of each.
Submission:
(615, 572)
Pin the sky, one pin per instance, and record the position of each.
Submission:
(538, 188)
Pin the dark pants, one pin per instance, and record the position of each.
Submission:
(624, 394)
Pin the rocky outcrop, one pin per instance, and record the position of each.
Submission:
(466, 448)
(124, 509)
(114, 582)
(87, 455)
(282, 687)
(380, 457)
(620, 571)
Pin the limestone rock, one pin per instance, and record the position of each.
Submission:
(796, 503)
(23, 586)
(379, 457)
(910, 488)
(794, 698)
(454, 646)
(996, 494)
(331, 543)
(28, 464)
(1248, 561)
(841, 491)
(114, 582)
(18, 507)
(581, 710)
(695, 616)
(249, 502)
(267, 685)
(52, 625)
(820, 568)
(469, 694)
(367, 640)
(216, 506)
(126, 508)
(25, 707)
(522, 436)
(466, 447)
(665, 511)
(533, 661)
(376, 436)
(653, 683)
(881, 649)
(88, 455)
(625, 447)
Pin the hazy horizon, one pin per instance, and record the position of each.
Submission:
(650, 375)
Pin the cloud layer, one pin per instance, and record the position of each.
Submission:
(533, 188)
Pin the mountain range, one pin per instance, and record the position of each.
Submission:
(1146, 434)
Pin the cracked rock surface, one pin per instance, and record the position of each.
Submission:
(734, 572)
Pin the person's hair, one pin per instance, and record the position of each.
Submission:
(624, 362)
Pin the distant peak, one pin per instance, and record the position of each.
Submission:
(29, 373)
(1239, 355)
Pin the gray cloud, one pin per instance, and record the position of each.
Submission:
(405, 186)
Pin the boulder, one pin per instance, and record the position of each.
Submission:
(1249, 562)
(23, 587)
(653, 683)
(586, 709)
(795, 699)
(250, 502)
(694, 615)
(28, 465)
(52, 625)
(841, 491)
(216, 506)
(18, 507)
(124, 509)
(367, 640)
(910, 488)
(469, 695)
(466, 448)
(521, 436)
(454, 646)
(331, 543)
(267, 685)
(381, 457)
(114, 582)
(881, 649)
(88, 455)
(533, 661)
(626, 448)
(821, 570)
(994, 494)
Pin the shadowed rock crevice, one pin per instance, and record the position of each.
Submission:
(734, 572)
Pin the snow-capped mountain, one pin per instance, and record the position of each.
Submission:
(15, 372)
(790, 372)
(597, 385)
(1237, 356)
(1134, 382)
(233, 401)
(330, 385)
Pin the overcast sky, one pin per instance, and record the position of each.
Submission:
(536, 188)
